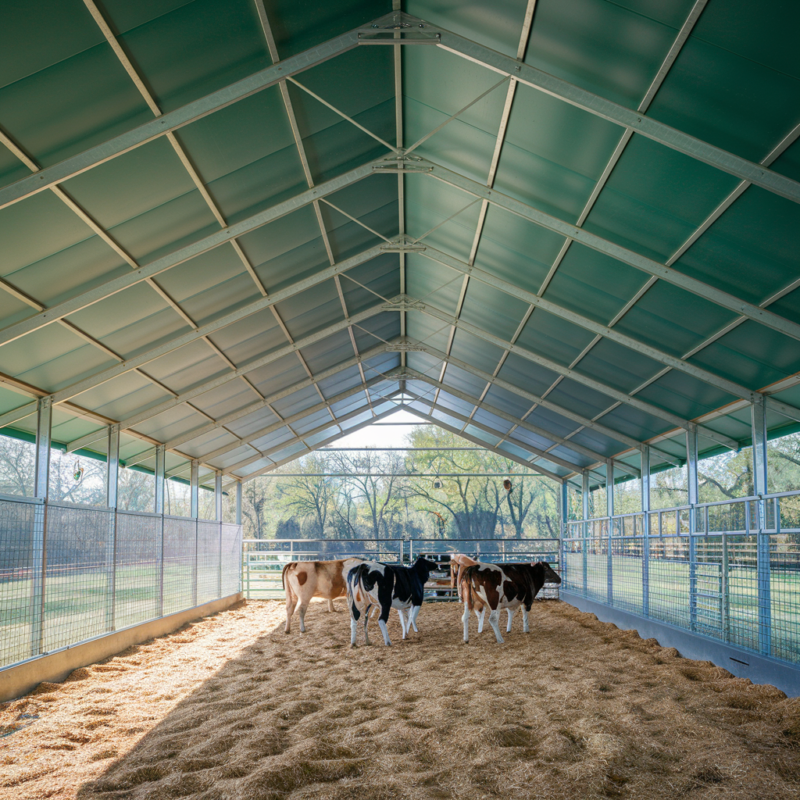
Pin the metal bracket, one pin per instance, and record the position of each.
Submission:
(403, 163)
(398, 32)
(405, 347)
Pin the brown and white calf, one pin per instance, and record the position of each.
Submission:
(458, 563)
(303, 580)
(500, 586)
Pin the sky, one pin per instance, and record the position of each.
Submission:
(378, 435)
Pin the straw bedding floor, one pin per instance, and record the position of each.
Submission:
(230, 707)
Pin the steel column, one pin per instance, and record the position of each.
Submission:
(218, 518)
(238, 502)
(692, 480)
(585, 510)
(112, 497)
(610, 514)
(44, 422)
(760, 473)
(194, 512)
(645, 489)
(563, 495)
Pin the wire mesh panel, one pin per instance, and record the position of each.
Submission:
(784, 556)
(669, 579)
(742, 599)
(231, 549)
(17, 586)
(179, 563)
(208, 576)
(597, 560)
(138, 568)
(626, 564)
(79, 577)
(572, 566)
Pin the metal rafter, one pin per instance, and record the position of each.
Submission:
(179, 256)
(63, 395)
(613, 112)
(475, 439)
(527, 22)
(622, 397)
(323, 443)
(594, 242)
(214, 383)
(174, 120)
(558, 441)
(583, 422)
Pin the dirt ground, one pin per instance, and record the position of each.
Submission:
(231, 707)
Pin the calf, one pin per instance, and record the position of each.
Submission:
(303, 580)
(501, 586)
(373, 584)
(458, 563)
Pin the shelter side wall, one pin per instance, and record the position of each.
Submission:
(18, 680)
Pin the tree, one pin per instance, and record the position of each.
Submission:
(308, 494)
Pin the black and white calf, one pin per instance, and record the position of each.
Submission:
(387, 587)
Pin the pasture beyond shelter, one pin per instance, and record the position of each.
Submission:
(565, 232)
(232, 707)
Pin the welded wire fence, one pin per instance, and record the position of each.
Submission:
(263, 560)
(728, 570)
(71, 573)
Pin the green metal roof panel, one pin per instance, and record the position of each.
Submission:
(611, 49)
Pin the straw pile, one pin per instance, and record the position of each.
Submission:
(231, 707)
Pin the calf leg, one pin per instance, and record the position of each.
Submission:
(525, 628)
(413, 613)
(494, 618)
(402, 621)
(510, 616)
(465, 620)
(480, 615)
(331, 606)
(303, 609)
(291, 603)
(353, 624)
(366, 620)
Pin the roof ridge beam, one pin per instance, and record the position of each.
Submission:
(613, 112)
(629, 257)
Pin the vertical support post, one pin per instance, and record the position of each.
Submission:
(218, 517)
(194, 512)
(585, 511)
(645, 463)
(238, 502)
(693, 485)
(44, 420)
(112, 492)
(563, 497)
(759, 425)
(610, 541)
(161, 464)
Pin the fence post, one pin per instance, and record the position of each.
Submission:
(44, 416)
(112, 491)
(645, 464)
(563, 532)
(585, 547)
(693, 485)
(760, 467)
(194, 512)
(610, 540)
(161, 463)
(218, 517)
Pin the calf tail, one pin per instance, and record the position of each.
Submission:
(287, 587)
(465, 586)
